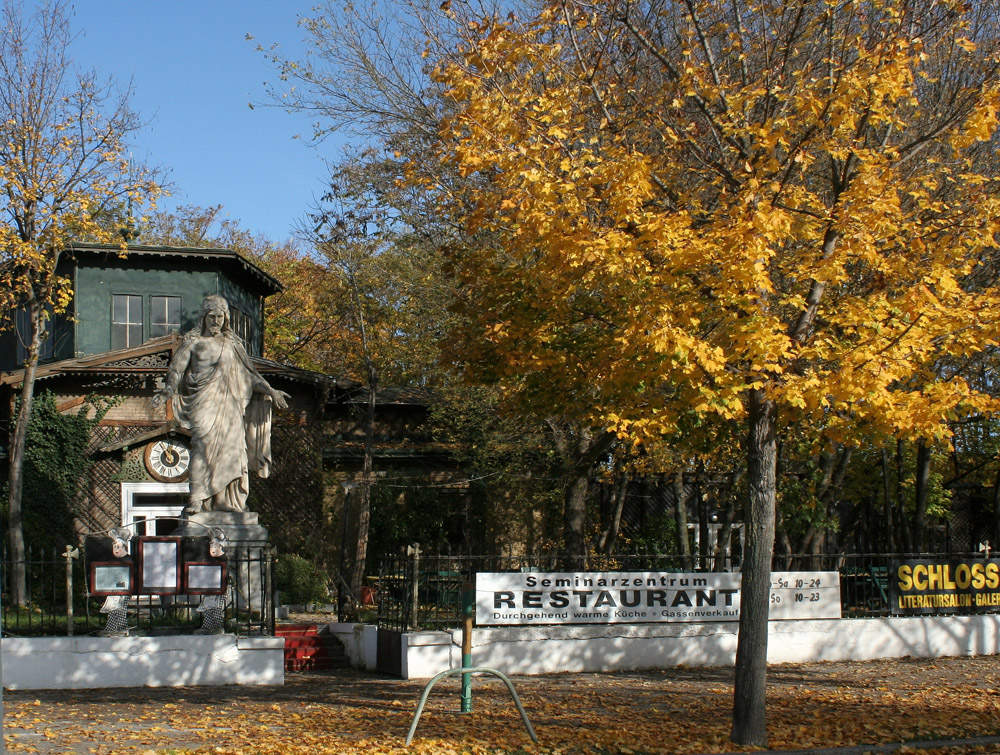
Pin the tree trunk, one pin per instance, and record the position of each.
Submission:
(575, 520)
(15, 518)
(360, 563)
(829, 496)
(816, 547)
(721, 548)
(890, 540)
(902, 525)
(680, 516)
(578, 451)
(749, 722)
(923, 474)
(996, 511)
(364, 498)
(618, 496)
(702, 507)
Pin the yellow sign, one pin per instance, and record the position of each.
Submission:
(944, 586)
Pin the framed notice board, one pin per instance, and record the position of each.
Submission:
(111, 578)
(160, 565)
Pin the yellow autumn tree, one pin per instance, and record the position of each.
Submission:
(758, 212)
(380, 284)
(65, 173)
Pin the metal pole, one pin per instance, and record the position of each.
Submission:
(70, 554)
(269, 553)
(414, 551)
(468, 612)
(473, 670)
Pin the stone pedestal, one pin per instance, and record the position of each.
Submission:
(241, 527)
(247, 549)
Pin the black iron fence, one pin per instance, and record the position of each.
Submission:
(56, 600)
(416, 590)
(424, 590)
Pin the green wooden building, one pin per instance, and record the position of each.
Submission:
(123, 326)
(122, 301)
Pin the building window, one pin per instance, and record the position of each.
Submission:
(126, 321)
(153, 508)
(24, 335)
(164, 315)
(240, 324)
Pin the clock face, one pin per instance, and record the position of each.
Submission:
(167, 460)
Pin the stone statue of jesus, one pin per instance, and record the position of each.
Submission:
(218, 395)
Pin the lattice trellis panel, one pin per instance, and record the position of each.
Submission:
(98, 506)
(964, 532)
(290, 501)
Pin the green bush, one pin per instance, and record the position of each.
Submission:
(659, 535)
(56, 461)
(300, 581)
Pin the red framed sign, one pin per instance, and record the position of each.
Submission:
(205, 577)
(111, 578)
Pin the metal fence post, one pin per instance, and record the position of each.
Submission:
(70, 555)
(269, 592)
(468, 613)
(414, 550)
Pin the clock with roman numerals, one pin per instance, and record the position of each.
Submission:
(167, 460)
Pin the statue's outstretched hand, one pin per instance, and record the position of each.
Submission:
(280, 399)
(160, 398)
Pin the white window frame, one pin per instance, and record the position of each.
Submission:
(169, 326)
(130, 509)
(132, 320)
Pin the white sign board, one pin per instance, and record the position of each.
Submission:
(159, 560)
(639, 597)
(805, 595)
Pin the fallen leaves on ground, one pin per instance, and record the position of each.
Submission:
(647, 712)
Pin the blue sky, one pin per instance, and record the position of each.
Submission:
(194, 74)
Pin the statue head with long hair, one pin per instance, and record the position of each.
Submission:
(215, 303)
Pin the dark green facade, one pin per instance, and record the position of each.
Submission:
(99, 273)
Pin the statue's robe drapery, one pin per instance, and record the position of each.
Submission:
(230, 426)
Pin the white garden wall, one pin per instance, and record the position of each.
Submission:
(83, 662)
(551, 649)
(167, 661)
(359, 641)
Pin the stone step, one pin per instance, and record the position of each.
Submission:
(329, 647)
(307, 647)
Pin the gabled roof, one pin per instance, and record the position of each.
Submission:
(173, 427)
(153, 357)
(225, 258)
(391, 396)
(269, 367)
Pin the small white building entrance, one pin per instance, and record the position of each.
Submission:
(145, 503)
